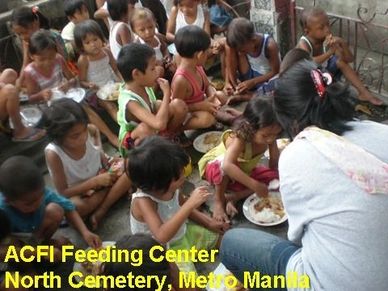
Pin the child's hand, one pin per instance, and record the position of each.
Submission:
(210, 107)
(245, 86)
(218, 226)
(92, 239)
(260, 189)
(93, 87)
(104, 180)
(64, 87)
(198, 197)
(229, 89)
(164, 86)
(47, 94)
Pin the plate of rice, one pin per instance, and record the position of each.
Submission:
(206, 141)
(266, 211)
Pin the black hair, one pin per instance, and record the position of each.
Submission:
(307, 13)
(41, 40)
(133, 56)
(24, 16)
(73, 6)
(61, 116)
(240, 31)
(149, 267)
(19, 176)
(298, 105)
(258, 113)
(155, 163)
(191, 39)
(5, 225)
(84, 28)
(292, 57)
(117, 9)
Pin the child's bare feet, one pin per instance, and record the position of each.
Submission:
(96, 217)
(367, 96)
(219, 213)
(231, 209)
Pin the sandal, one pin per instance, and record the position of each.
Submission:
(34, 135)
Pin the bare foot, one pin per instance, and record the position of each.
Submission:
(96, 217)
(367, 96)
(231, 209)
(219, 213)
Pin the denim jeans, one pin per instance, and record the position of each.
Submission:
(250, 250)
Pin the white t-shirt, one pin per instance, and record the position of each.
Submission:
(68, 32)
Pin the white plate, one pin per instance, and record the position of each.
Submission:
(30, 116)
(105, 93)
(77, 94)
(251, 201)
(78, 266)
(282, 143)
(199, 142)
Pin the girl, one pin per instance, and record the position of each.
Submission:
(143, 24)
(254, 56)
(120, 32)
(25, 21)
(75, 160)
(234, 163)
(187, 12)
(47, 69)
(159, 209)
(96, 64)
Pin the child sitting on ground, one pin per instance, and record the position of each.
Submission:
(143, 25)
(96, 64)
(140, 114)
(10, 109)
(33, 208)
(79, 168)
(330, 51)
(254, 56)
(158, 208)
(120, 32)
(235, 163)
(191, 84)
(76, 11)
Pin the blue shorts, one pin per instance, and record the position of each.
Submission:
(332, 68)
(219, 16)
(261, 88)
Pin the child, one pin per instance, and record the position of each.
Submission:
(75, 160)
(33, 208)
(46, 72)
(140, 114)
(96, 65)
(120, 32)
(234, 163)
(9, 108)
(190, 82)
(144, 243)
(76, 12)
(186, 12)
(25, 21)
(254, 56)
(47, 69)
(330, 51)
(156, 168)
(143, 25)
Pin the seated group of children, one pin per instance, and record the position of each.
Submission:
(151, 133)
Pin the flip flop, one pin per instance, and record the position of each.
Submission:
(35, 135)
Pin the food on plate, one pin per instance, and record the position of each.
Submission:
(211, 139)
(113, 96)
(269, 209)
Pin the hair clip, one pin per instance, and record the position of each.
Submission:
(35, 9)
(321, 81)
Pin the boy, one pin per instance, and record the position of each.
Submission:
(33, 208)
(330, 51)
(76, 11)
(140, 114)
(254, 56)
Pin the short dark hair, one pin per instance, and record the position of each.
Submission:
(19, 176)
(117, 9)
(133, 56)
(61, 116)
(292, 57)
(84, 28)
(24, 16)
(307, 13)
(41, 40)
(258, 113)
(155, 163)
(72, 6)
(240, 31)
(298, 105)
(191, 39)
(145, 243)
